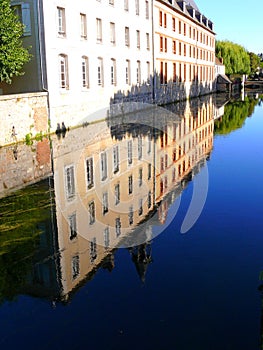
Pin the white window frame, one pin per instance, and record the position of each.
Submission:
(99, 30)
(100, 72)
(63, 72)
(89, 172)
(69, 175)
(83, 26)
(103, 166)
(85, 72)
(61, 21)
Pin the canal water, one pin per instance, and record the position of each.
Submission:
(144, 231)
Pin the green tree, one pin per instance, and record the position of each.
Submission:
(236, 58)
(254, 62)
(12, 53)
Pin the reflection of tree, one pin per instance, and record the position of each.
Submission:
(21, 216)
(234, 116)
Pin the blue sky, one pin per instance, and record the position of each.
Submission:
(239, 21)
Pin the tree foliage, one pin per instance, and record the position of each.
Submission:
(12, 53)
(236, 58)
(254, 62)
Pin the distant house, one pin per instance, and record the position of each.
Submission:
(223, 83)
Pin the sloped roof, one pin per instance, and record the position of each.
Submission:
(222, 78)
(192, 3)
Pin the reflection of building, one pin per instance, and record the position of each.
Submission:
(109, 181)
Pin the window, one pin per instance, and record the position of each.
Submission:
(147, 41)
(105, 203)
(173, 24)
(106, 235)
(23, 13)
(165, 20)
(99, 30)
(161, 44)
(103, 166)
(72, 220)
(85, 71)
(130, 152)
(70, 181)
(91, 213)
(147, 9)
(83, 26)
(116, 159)
(112, 33)
(93, 249)
(165, 44)
(100, 71)
(128, 72)
(174, 72)
(149, 144)
(89, 173)
(130, 184)
(75, 266)
(184, 28)
(127, 36)
(63, 64)
(126, 5)
(137, 7)
(180, 27)
(113, 72)
(160, 18)
(174, 46)
(117, 193)
(138, 39)
(148, 67)
(180, 49)
(61, 21)
(138, 72)
(118, 226)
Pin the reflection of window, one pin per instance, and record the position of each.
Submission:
(75, 266)
(117, 194)
(103, 164)
(91, 212)
(139, 147)
(89, 172)
(140, 210)
(83, 26)
(130, 152)
(70, 182)
(149, 171)
(61, 21)
(93, 249)
(130, 215)
(72, 219)
(116, 159)
(130, 184)
(118, 226)
(106, 235)
(105, 203)
(140, 176)
(63, 74)
(149, 199)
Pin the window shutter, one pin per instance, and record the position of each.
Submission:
(26, 18)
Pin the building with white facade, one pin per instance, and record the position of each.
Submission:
(89, 55)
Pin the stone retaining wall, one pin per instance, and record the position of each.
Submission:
(22, 114)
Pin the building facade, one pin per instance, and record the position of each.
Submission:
(90, 55)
